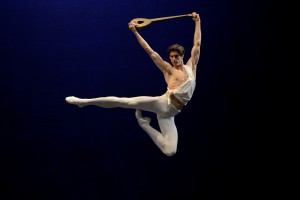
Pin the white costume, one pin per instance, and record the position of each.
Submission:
(185, 91)
(167, 139)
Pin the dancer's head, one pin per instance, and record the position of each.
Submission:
(176, 54)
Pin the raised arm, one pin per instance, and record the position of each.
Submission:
(165, 67)
(195, 53)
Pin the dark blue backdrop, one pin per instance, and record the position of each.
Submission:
(56, 48)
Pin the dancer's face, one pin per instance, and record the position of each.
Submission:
(175, 58)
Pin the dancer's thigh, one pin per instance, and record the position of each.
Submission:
(155, 104)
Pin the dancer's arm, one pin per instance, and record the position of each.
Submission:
(164, 66)
(195, 53)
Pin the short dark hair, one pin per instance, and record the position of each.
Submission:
(176, 47)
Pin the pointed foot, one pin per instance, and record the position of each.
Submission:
(142, 120)
(75, 101)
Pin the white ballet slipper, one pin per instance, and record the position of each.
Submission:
(75, 101)
(142, 120)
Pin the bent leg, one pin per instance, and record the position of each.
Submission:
(167, 139)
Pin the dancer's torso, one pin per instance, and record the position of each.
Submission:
(182, 84)
(177, 78)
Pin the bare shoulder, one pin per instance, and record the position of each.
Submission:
(168, 64)
(189, 66)
(168, 68)
(192, 65)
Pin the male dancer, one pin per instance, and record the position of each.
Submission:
(181, 82)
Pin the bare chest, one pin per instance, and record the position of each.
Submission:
(177, 78)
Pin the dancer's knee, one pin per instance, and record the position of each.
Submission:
(169, 149)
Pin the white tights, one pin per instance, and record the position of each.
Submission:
(167, 139)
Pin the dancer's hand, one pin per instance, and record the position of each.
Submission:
(132, 26)
(195, 16)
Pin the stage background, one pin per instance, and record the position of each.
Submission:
(52, 49)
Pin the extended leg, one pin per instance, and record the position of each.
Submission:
(151, 104)
(167, 139)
